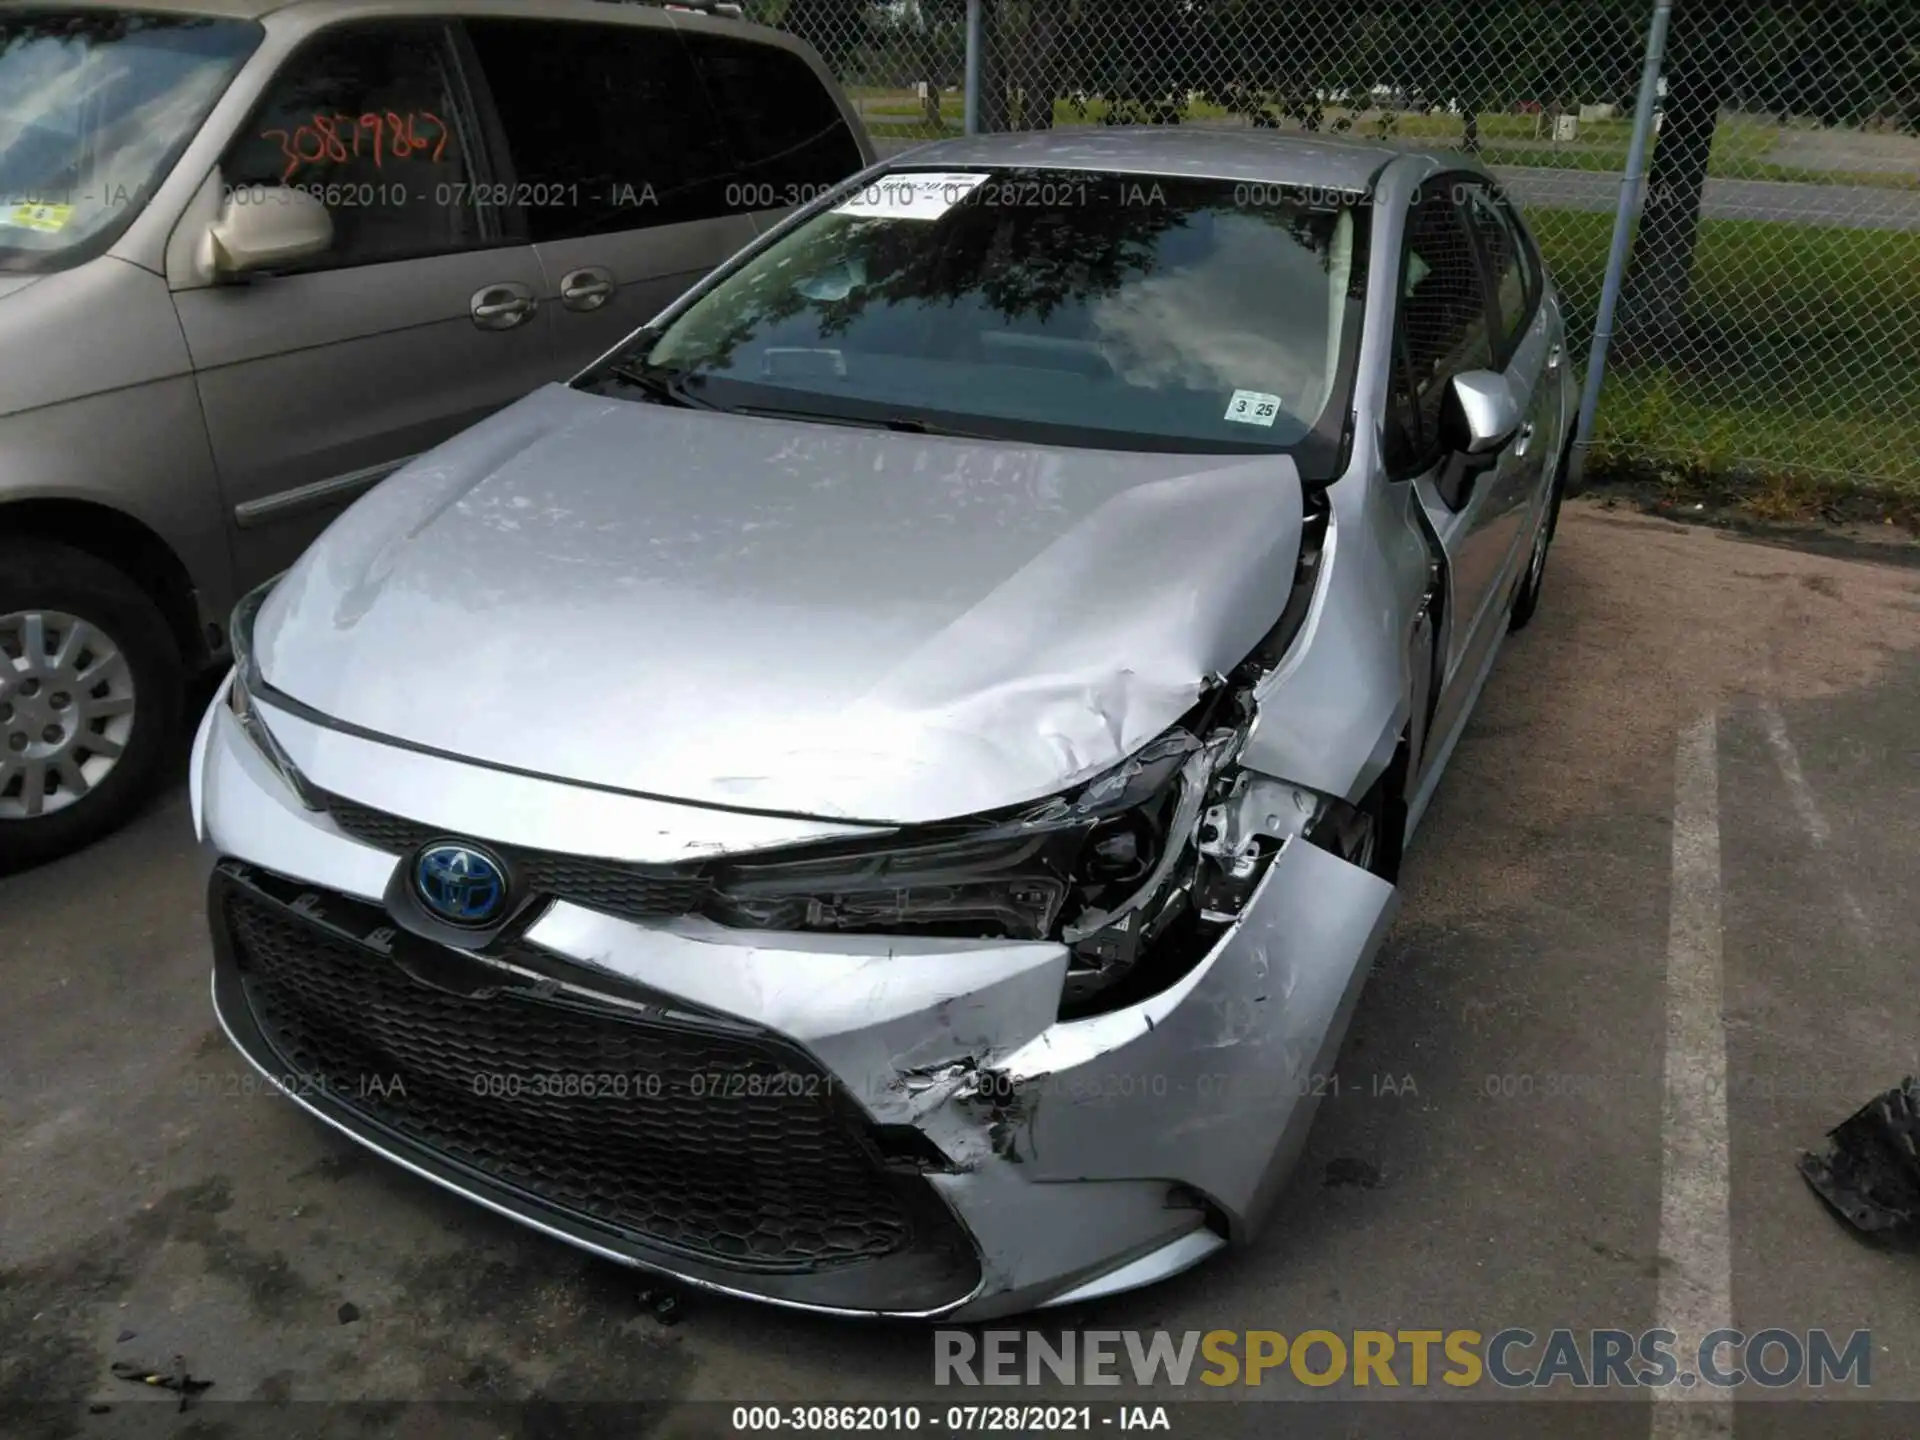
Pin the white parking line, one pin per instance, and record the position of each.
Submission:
(1808, 809)
(1695, 1250)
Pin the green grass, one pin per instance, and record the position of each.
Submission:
(1742, 144)
(1806, 361)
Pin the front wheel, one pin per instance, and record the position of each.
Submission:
(1528, 598)
(90, 692)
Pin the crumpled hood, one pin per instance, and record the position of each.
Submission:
(810, 619)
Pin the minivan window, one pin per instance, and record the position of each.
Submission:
(95, 107)
(1115, 311)
(367, 120)
(785, 128)
(606, 126)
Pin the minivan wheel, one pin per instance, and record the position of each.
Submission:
(90, 692)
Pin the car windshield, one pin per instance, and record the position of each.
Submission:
(1128, 312)
(94, 107)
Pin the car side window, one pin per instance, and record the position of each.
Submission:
(607, 126)
(784, 127)
(1401, 444)
(1515, 286)
(366, 120)
(1444, 319)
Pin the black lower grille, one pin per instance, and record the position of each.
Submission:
(726, 1147)
(631, 891)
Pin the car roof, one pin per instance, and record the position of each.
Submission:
(221, 9)
(636, 11)
(1195, 151)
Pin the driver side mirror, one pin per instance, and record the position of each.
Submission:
(264, 226)
(1479, 414)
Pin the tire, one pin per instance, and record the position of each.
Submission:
(112, 682)
(1527, 599)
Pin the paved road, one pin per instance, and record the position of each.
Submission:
(1683, 696)
(1849, 207)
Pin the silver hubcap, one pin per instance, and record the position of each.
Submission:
(66, 711)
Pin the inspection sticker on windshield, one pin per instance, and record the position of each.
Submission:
(913, 196)
(48, 219)
(1253, 407)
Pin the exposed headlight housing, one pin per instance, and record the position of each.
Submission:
(246, 680)
(1105, 869)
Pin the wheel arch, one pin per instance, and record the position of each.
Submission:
(130, 546)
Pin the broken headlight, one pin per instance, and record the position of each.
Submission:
(246, 681)
(1103, 869)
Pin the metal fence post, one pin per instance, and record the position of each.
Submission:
(1623, 218)
(973, 67)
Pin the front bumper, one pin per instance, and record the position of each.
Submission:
(1016, 1159)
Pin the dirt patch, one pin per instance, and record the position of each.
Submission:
(1823, 515)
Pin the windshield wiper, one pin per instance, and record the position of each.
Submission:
(663, 385)
(905, 424)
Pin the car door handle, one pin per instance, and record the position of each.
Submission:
(502, 307)
(1553, 360)
(587, 289)
(1523, 440)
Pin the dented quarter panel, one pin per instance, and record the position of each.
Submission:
(1329, 716)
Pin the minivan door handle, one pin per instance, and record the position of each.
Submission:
(503, 306)
(586, 289)
(1523, 440)
(1553, 359)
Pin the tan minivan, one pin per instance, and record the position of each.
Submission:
(254, 256)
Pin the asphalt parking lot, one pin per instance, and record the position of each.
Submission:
(1681, 825)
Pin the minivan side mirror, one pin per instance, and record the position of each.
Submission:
(1479, 414)
(262, 226)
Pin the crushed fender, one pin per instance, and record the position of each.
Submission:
(1870, 1171)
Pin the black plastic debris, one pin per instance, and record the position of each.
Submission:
(348, 1312)
(666, 1308)
(1870, 1172)
(175, 1379)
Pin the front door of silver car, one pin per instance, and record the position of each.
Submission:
(1530, 319)
(319, 376)
(1527, 339)
(1446, 329)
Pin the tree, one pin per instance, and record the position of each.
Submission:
(836, 28)
(1653, 304)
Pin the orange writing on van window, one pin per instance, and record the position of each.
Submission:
(335, 139)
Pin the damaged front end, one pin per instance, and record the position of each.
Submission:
(961, 1068)
(1138, 872)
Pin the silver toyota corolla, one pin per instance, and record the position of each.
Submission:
(881, 794)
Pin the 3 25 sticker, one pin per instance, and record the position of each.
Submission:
(1253, 407)
(31, 215)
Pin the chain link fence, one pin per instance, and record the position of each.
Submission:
(1769, 327)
